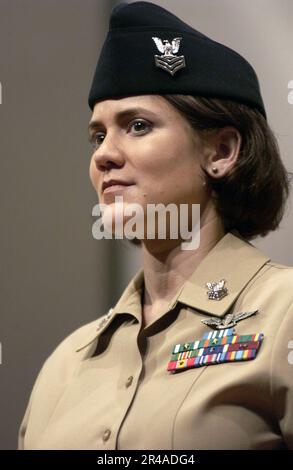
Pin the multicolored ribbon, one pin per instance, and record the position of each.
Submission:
(215, 347)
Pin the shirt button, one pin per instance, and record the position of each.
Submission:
(106, 435)
(129, 381)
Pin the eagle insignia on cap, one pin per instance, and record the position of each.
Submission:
(168, 60)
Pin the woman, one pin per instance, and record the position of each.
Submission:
(195, 354)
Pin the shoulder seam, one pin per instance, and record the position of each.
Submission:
(278, 266)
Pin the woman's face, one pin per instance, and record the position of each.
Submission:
(145, 142)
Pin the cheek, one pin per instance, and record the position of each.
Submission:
(163, 152)
(166, 168)
(94, 175)
(91, 167)
(180, 181)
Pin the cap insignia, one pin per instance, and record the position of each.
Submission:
(168, 60)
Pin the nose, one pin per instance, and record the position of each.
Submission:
(108, 155)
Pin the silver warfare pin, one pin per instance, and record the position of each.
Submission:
(229, 321)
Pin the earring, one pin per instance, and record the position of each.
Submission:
(214, 169)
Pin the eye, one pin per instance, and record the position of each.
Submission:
(139, 126)
(97, 139)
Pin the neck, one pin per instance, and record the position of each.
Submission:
(167, 267)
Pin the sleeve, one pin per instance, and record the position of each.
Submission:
(52, 380)
(25, 420)
(282, 377)
(22, 429)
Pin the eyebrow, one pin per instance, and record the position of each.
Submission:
(119, 116)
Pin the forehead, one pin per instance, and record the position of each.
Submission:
(152, 103)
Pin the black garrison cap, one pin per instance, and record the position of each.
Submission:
(148, 50)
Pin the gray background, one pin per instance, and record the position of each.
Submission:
(54, 276)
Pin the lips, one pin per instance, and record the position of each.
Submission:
(108, 184)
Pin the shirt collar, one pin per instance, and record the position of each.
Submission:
(232, 258)
(129, 302)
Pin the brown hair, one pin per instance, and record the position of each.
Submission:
(252, 197)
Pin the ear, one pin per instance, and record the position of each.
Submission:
(224, 151)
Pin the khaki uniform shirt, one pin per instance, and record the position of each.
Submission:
(109, 388)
